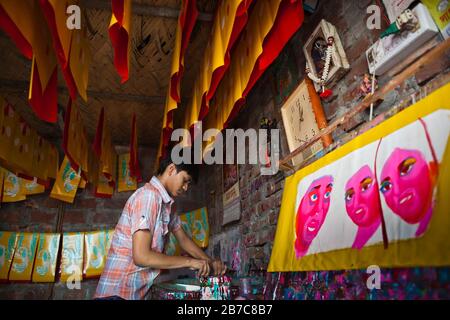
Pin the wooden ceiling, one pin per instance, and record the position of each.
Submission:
(152, 42)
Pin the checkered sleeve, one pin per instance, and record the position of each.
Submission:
(144, 211)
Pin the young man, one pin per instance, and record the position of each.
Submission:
(136, 253)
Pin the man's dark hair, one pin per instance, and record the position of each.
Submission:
(190, 168)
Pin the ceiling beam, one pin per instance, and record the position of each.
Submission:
(22, 86)
(144, 10)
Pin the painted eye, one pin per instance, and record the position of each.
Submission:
(386, 185)
(327, 194)
(313, 197)
(349, 195)
(366, 184)
(406, 166)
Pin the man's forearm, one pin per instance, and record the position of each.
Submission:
(158, 260)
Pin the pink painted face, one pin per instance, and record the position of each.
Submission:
(312, 211)
(362, 200)
(406, 184)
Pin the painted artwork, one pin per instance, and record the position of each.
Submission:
(44, 269)
(72, 257)
(22, 265)
(66, 184)
(195, 224)
(126, 182)
(379, 199)
(198, 226)
(8, 242)
(96, 250)
(13, 187)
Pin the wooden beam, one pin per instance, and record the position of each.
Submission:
(427, 58)
(21, 86)
(144, 10)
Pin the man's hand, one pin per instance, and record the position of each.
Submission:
(218, 267)
(201, 265)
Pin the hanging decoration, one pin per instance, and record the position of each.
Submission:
(66, 184)
(72, 257)
(21, 20)
(96, 246)
(120, 35)
(22, 265)
(326, 61)
(186, 22)
(13, 187)
(8, 242)
(126, 181)
(44, 269)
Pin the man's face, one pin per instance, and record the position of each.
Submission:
(178, 182)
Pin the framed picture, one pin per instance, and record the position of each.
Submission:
(315, 50)
(303, 117)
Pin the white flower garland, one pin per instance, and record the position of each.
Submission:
(323, 79)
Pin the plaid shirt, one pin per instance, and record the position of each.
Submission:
(148, 208)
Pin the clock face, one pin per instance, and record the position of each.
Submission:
(300, 122)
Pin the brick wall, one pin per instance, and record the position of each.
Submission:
(261, 195)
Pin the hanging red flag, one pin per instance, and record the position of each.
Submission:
(120, 35)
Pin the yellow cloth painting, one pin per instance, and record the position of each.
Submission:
(44, 269)
(126, 182)
(66, 184)
(22, 265)
(387, 187)
(8, 242)
(72, 257)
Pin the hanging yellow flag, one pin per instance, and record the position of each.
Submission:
(103, 189)
(22, 150)
(66, 184)
(72, 257)
(46, 257)
(126, 181)
(27, 27)
(80, 59)
(33, 187)
(22, 265)
(96, 251)
(13, 188)
(40, 160)
(197, 222)
(8, 242)
(53, 162)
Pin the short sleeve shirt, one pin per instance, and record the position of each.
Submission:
(149, 208)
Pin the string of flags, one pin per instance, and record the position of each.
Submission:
(28, 163)
(73, 256)
(46, 257)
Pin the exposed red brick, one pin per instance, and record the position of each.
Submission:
(40, 216)
(75, 216)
